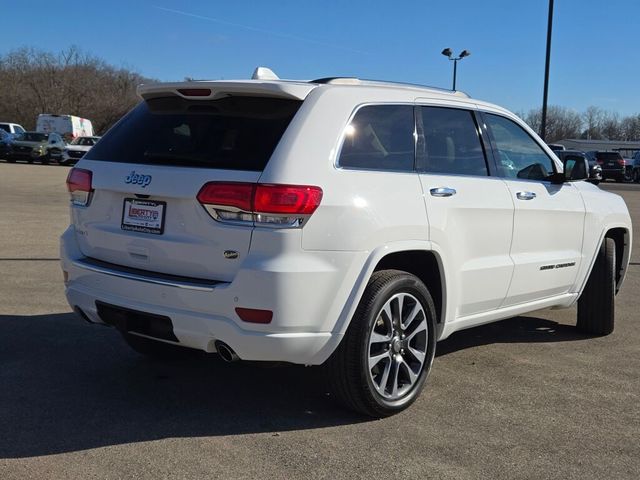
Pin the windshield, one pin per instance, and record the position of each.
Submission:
(85, 141)
(233, 133)
(33, 137)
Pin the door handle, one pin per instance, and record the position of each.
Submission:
(525, 195)
(442, 192)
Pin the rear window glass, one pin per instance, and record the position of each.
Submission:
(232, 133)
(608, 155)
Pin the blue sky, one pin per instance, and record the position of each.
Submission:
(595, 56)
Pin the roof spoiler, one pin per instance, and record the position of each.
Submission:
(213, 90)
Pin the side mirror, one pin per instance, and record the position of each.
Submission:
(575, 169)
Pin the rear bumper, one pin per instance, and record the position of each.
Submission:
(301, 332)
(613, 173)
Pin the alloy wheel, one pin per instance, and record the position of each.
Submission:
(398, 346)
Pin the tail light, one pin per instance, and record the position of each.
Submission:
(260, 204)
(621, 162)
(599, 161)
(79, 186)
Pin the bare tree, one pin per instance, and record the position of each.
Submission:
(71, 82)
(561, 122)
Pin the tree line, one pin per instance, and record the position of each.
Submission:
(592, 124)
(68, 83)
(73, 82)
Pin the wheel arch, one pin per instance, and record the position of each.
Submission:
(622, 239)
(427, 266)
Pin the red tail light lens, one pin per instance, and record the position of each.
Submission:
(621, 162)
(287, 199)
(236, 195)
(600, 162)
(281, 205)
(79, 186)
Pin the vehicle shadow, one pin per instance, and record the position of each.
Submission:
(512, 330)
(69, 386)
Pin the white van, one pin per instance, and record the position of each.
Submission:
(68, 126)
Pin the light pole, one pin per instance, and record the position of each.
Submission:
(543, 123)
(449, 54)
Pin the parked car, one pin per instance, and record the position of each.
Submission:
(613, 165)
(5, 143)
(76, 149)
(595, 170)
(36, 146)
(340, 222)
(13, 128)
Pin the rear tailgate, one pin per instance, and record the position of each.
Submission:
(186, 242)
(148, 169)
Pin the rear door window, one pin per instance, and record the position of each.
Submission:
(232, 133)
(380, 137)
(451, 143)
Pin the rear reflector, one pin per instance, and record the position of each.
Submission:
(252, 315)
(195, 92)
(79, 186)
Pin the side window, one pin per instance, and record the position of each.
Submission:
(451, 143)
(519, 156)
(380, 137)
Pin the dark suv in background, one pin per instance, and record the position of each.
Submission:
(613, 165)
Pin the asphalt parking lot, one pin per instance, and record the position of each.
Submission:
(528, 397)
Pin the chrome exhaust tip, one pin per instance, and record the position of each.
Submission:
(226, 352)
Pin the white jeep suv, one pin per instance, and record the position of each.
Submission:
(340, 222)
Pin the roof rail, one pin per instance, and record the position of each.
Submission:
(383, 83)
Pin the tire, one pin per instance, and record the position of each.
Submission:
(157, 350)
(348, 373)
(45, 159)
(596, 306)
(636, 176)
